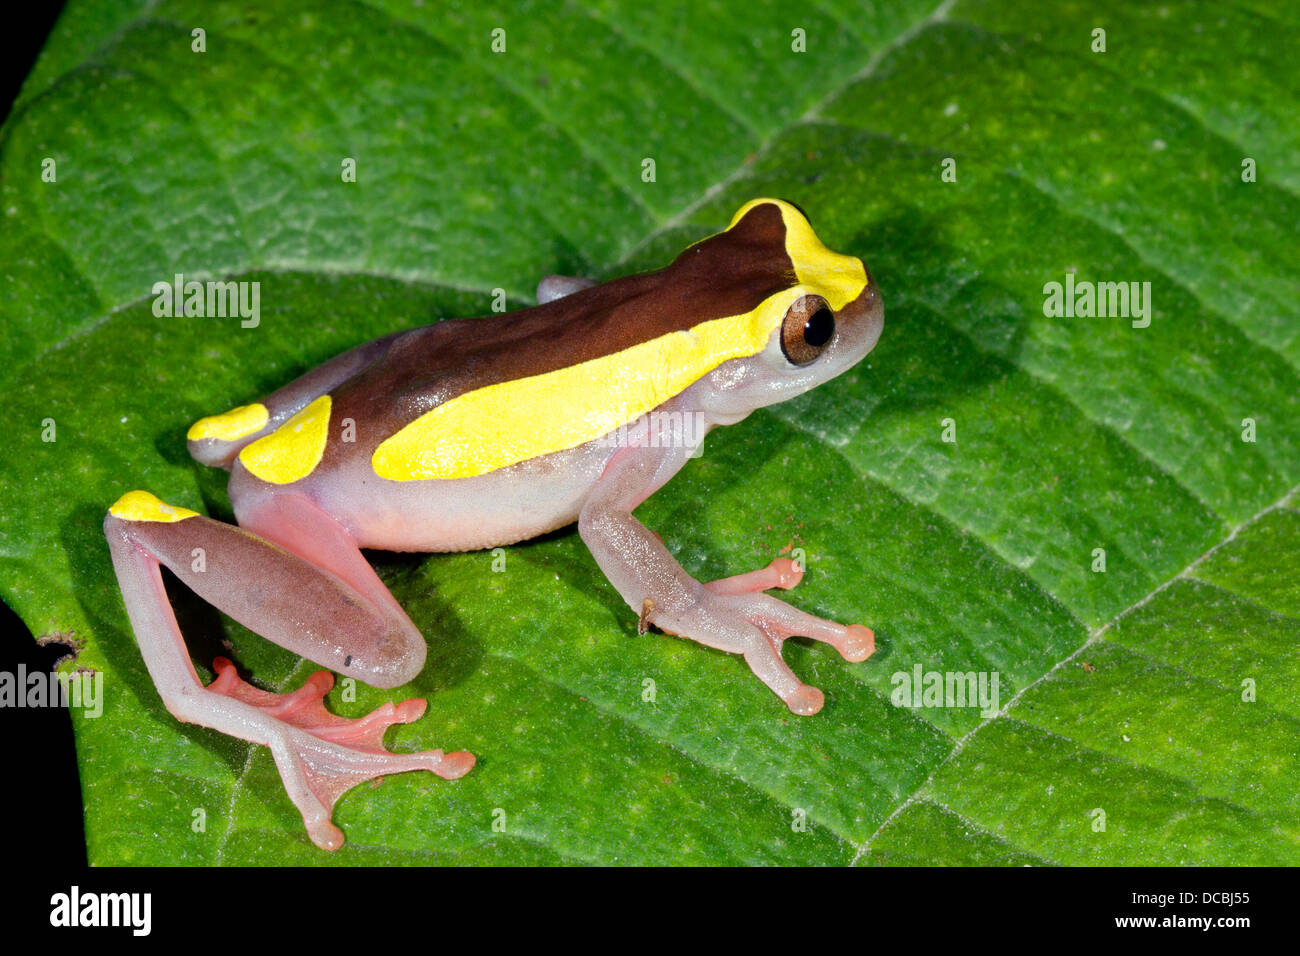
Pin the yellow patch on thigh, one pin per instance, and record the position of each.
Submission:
(232, 425)
(293, 450)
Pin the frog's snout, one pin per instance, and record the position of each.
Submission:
(863, 319)
(871, 293)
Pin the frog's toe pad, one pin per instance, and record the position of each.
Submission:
(456, 764)
(321, 755)
(858, 644)
(806, 700)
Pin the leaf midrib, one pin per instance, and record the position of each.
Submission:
(1094, 637)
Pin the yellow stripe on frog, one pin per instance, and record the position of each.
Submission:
(836, 278)
(510, 422)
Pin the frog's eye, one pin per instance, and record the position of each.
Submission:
(808, 326)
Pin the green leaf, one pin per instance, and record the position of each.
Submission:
(1158, 697)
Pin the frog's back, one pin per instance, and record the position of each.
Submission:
(725, 275)
(386, 385)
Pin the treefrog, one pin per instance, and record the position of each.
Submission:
(477, 433)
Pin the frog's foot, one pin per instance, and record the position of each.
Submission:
(321, 755)
(778, 620)
(757, 626)
(781, 573)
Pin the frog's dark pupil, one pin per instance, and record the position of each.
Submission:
(817, 330)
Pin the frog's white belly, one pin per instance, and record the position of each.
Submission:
(461, 514)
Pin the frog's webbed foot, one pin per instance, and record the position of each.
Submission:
(855, 642)
(302, 583)
(757, 625)
(321, 755)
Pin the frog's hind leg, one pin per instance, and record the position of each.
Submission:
(285, 597)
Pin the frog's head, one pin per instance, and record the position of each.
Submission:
(815, 313)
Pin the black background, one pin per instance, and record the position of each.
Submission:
(42, 794)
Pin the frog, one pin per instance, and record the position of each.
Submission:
(479, 433)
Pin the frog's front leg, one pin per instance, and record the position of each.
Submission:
(306, 591)
(730, 614)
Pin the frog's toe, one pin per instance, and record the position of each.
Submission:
(456, 764)
(858, 644)
(806, 700)
(780, 621)
(781, 573)
(323, 832)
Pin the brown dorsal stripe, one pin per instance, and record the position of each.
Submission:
(730, 273)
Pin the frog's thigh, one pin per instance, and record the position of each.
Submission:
(294, 602)
(298, 524)
(294, 578)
